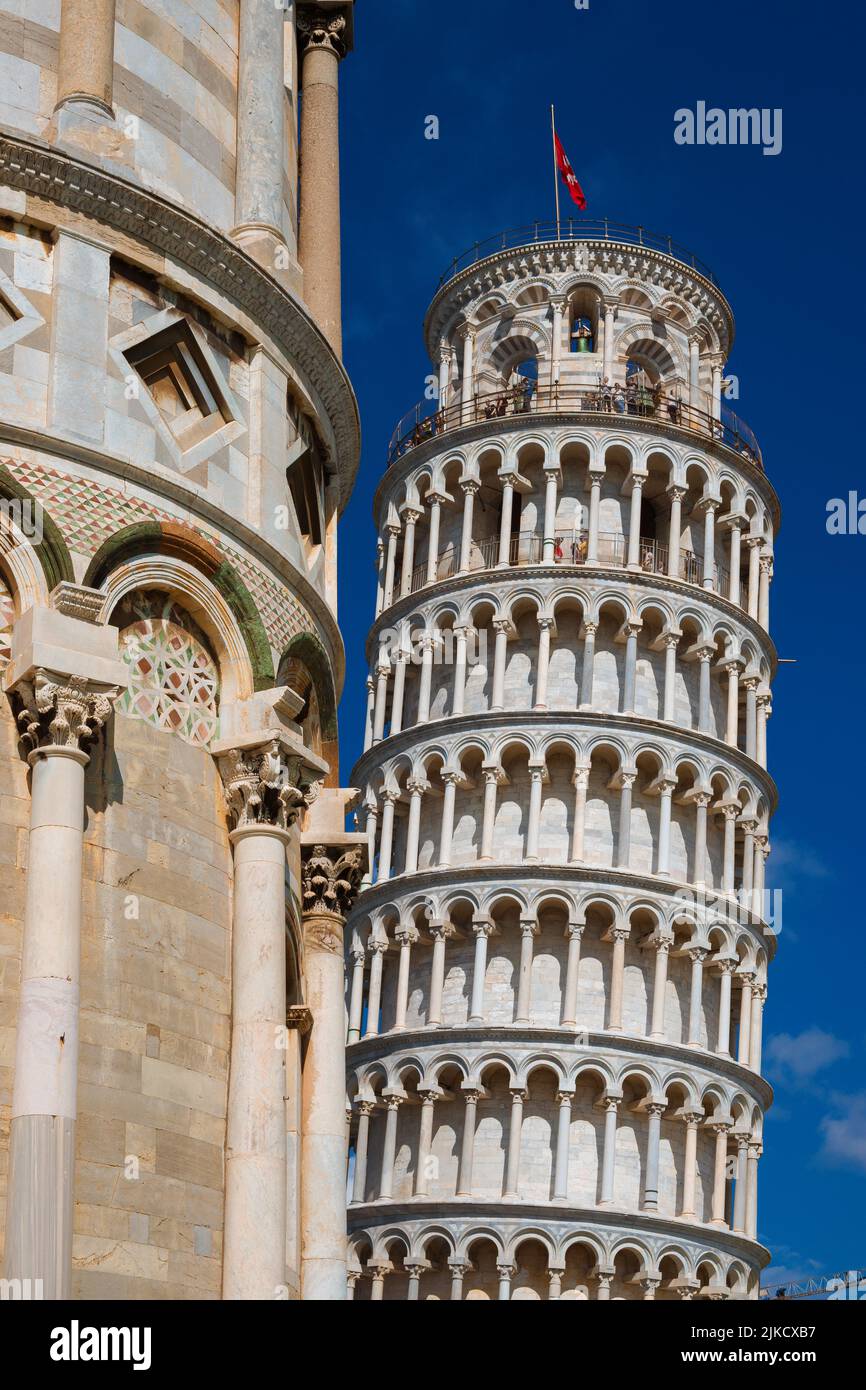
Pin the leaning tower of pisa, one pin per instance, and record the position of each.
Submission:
(557, 968)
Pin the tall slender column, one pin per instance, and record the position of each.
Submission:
(438, 931)
(609, 1105)
(759, 996)
(371, 824)
(734, 562)
(586, 684)
(694, 371)
(717, 390)
(765, 709)
(730, 812)
(545, 627)
(750, 685)
(461, 638)
(691, 1120)
(627, 780)
(574, 932)
(411, 516)
(671, 642)
(435, 502)
(458, 1269)
(630, 672)
(557, 304)
(377, 948)
(393, 531)
(260, 215)
(405, 937)
(425, 1140)
(515, 1135)
(723, 1044)
(744, 1034)
(618, 936)
(594, 509)
(654, 1111)
(330, 879)
(732, 669)
(451, 781)
(356, 1001)
(470, 490)
(609, 316)
(528, 933)
(580, 782)
(466, 380)
(554, 1277)
(482, 931)
(500, 656)
(362, 1144)
(675, 534)
(446, 370)
(264, 790)
(666, 790)
(401, 658)
(563, 1135)
(471, 1097)
(720, 1130)
(549, 539)
(506, 1274)
(633, 555)
(705, 656)
(58, 713)
(323, 40)
(662, 949)
(605, 1279)
(740, 1191)
(492, 775)
(416, 787)
(380, 576)
(751, 1223)
(414, 1272)
(505, 521)
(765, 575)
(425, 684)
(749, 828)
(754, 544)
(383, 671)
(709, 580)
(697, 956)
(393, 1100)
(386, 840)
(702, 801)
(371, 706)
(537, 773)
(377, 1275)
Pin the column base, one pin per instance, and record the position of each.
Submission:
(268, 249)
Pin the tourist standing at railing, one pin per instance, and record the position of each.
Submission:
(606, 395)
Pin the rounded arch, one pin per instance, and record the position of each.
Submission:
(305, 668)
(51, 551)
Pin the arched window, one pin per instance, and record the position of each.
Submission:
(173, 674)
(7, 617)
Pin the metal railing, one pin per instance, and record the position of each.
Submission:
(570, 548)
(575, 229)
(430, 419)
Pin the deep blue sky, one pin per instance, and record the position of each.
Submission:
(783, 236)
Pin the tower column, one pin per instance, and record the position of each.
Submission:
(85, 65)
(324, 37)
(260, 215)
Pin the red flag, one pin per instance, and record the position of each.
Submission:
(568, 174)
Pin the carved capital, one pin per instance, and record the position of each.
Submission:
(330, 881)
(266, 785)
(323, 29)
(59, 711)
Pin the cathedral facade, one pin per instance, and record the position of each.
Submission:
(178, 438)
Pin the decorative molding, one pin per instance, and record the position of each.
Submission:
(330, 880)
(265, 785)
(60, 711)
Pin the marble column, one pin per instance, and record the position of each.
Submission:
(504, 559)
(697, 956)
(676, 494)
(720, 1130)
(551, 476)
(362, 1143)
(266, 784)
(654, 1111)
(619, 936)
(411, 517)
(586, 685)
(85, 63)
(691, 1119)
(471, 1097)
(425, 685)
(482, 931)
(405, 937)
(260, 213)
(501, 627)
(470, 491)
(515, 1134)
(633, 553)
(594, 509)
(709, 569)
(428, 1100)
(492, 775)
(662, 948)
(574, 932)
(671, 642)
(610, 1106)
(58, 717)
(580, 782)
(356, 999)
(528, 933)
(435, 502)
(439, 933)
(323, 39)
(393, 1100)
(564, 1101)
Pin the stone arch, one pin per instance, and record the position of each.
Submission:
(305, 668)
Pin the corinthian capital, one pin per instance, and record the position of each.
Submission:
(267, 784)
(324, 24)
(331, 878)
(60, 711)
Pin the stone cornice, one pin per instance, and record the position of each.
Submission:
(454, 439)
(568, 575)
(609, 882)
(555, 720)
(35, 167)
(561, 1041)
(374, 1214)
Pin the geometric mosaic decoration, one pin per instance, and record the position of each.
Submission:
(173, 678)
(7, 616)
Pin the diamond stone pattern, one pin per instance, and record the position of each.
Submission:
(173, 679)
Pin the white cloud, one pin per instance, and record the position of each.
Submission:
(845, 1133)
(799, 1058)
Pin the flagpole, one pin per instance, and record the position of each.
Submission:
(555, 167)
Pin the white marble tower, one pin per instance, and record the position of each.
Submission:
(557, 971)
